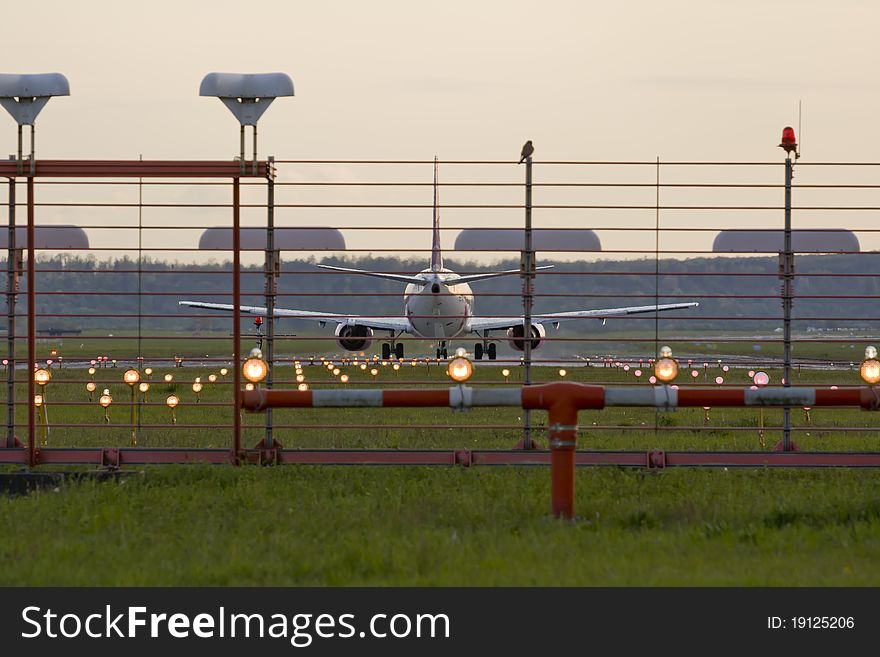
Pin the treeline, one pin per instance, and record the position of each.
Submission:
(831, 291)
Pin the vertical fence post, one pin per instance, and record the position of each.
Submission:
(270, 285)
(236, 317)
(527, 267)
(31, 324)
(787, 274)
(11, 276)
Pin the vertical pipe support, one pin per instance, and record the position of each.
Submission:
(31, 325)
(527, 267)
(562, 433)
(236, 315)
(787, 274)
(11, 283)
(270, 291)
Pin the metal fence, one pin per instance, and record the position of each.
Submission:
(100, 253)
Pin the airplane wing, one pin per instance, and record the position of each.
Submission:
(470, 278)
(497, 323)
(379, 323)
(400, 278)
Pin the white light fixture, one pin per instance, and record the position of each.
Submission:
(247, 95)
(24, 96)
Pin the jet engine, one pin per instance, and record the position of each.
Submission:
(515, 336)
(354, 338)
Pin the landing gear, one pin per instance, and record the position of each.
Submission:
(441, 351)
(393, 350)
(488, 349)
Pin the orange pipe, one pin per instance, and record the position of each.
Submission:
(563, 401)
(261, 399)
(711, 396)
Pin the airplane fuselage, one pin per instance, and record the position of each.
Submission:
(438, 310)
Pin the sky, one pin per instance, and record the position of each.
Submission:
(708, 80)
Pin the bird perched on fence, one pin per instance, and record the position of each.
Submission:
(527, 151)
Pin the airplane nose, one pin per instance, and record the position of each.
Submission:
(435, 288)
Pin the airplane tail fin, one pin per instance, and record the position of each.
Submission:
(436, 255)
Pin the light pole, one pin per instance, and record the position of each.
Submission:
(171, 402)
(42, 378)
(23, 96)
(131, 378)
(248, 96)
(761, 379)
(105, 400)
(789, 144)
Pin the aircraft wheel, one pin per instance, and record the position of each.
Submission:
(398, 350)
(386, 351)
(478, 351)
(492, 353)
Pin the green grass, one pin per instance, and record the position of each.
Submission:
(447, 526)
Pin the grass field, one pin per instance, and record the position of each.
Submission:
(447, 526)
(322, 525)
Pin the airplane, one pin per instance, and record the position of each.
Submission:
(438, 305)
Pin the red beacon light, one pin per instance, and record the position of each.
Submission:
(789, 142)
(258, 321)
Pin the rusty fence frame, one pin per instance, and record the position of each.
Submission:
(266, 452)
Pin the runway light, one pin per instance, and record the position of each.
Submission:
(148, 371)
(212, 378)
(719, 380)
(171, 401)
(870, 368)
(143, 386)
(42, 377)
(460, 368)
(92, 371)
(300, 378)
(248, 386)
(751, 374)
(761, 378)
(396, 366)
(562, 373)
(90, 386)
(652, 380)
(638, 373)
(223, 371)
(38, 400)
(302, 387)
(344, 378)
(666, 368)
(336, 371)
(197, 387)
(255, 369)
(131, 377)
(505, 373)
(364, 366)
(694, 374)
(169, 378)
(105, 400)
(725, 368)
(374, 372)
